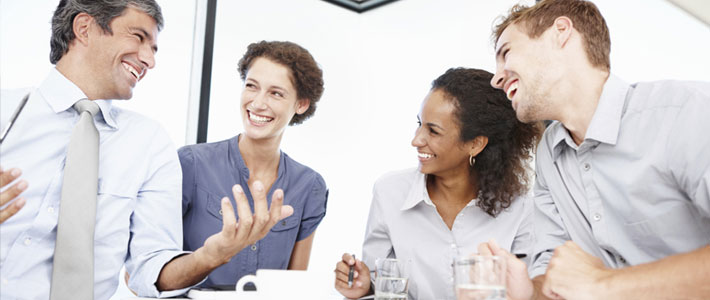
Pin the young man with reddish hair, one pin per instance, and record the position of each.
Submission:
(622, 194)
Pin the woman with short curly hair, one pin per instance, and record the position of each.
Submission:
(282, 85)
(470, 187)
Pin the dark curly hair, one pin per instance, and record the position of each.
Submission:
(502, 167)
(306, 76)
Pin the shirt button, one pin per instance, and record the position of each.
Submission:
(597, 217)
(451, 279)
(50, 210)
(220, 212)
(453, 246)
(587, 166)
(28, 241)
(622, 259)
(283, 223)
(253, 247)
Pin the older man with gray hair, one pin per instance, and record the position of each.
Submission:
(101, 186)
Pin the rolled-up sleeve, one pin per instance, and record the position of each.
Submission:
(314, 209)
(156, 223)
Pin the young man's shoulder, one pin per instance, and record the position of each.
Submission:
(668, 93)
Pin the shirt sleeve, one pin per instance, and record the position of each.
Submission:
(689, 148)
(523, 242)
(314, 209)
(549, 232)
(156, 223)
(377, 238)
(187, 164)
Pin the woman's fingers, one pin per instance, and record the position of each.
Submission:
(244, 212)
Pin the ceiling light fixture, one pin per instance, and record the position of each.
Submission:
(360, 5)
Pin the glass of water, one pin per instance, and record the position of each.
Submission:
(391, 279)
(480, 277)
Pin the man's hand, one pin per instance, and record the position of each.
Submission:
(518, 283)
(361, 277)
(574, 274)
(11, 193)
(222, 246)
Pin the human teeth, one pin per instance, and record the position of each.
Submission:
(256, 118)
(512, 88)
(425, 155)
(130, 69)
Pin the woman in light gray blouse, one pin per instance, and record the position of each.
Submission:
(470, 187)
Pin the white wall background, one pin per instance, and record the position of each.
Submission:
(378, 66)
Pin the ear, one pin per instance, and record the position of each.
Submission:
(477, 145)
(563, 30)
(302, 105)
(81, 26)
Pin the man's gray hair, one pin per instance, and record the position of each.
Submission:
(103, 11)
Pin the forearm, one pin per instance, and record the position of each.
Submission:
(185, 271)
(683, 276)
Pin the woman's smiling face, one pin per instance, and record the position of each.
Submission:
(437, 138)
(269, 99)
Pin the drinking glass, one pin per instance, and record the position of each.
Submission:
(391, 279)
(480, 277)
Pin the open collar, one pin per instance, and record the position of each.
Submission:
(61, 94)
(419, 194)
(606, 121)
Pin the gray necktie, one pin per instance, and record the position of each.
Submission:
(73, 271)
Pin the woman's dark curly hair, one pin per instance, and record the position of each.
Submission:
(306, 76)
(503, 166)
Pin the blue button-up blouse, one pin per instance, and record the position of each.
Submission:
(209, 172)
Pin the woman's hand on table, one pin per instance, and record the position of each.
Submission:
(361, 277)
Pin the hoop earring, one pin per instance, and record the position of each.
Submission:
(471, 160)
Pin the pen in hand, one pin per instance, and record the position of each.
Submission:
(351, 272)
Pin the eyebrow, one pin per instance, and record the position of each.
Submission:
(430, 124)
(434, 125)
(147, 36)
(501, 49)
(285, 91)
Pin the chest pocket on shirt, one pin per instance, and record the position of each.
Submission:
(286, 224)
(214, 206)
(115, 188)
(278, 243)
(116, 201)
(679, 229)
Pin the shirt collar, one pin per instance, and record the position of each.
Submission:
(61, 94)
(559, 134)
(605, 123)
(418, 193)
